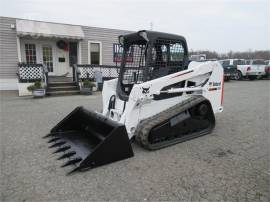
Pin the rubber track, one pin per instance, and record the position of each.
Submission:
(144, 127)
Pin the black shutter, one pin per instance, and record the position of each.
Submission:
(73, 55)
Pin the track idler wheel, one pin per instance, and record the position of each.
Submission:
(203, 109)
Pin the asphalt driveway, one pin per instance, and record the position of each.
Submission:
(230, 164)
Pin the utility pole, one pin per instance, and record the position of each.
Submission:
(151, 25)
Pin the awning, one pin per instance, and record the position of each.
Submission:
(47, 29)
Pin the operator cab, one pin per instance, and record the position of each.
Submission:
(149, 55)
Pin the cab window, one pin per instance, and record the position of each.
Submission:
(226, 63)
(258, 62)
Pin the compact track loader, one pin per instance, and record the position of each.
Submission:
(159, 99)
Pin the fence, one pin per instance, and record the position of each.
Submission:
(87, 71)
(32, 72)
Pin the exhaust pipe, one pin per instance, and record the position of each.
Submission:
(88, 140)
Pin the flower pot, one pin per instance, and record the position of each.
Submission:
(40, 92)
(86, 91)
(100, 86)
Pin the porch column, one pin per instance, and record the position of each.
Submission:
(19, 49)
(80, 52)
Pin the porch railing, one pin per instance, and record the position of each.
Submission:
(87, 71)
(32, 72)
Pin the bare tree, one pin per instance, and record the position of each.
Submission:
(257, 54)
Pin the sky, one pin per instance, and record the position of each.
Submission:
(216, 25)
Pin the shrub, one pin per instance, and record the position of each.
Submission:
(88, 84)
(36, 85)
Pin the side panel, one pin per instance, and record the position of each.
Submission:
(214, 90)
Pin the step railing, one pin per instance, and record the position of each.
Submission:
(76, 73)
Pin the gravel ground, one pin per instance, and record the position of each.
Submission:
(230, 164)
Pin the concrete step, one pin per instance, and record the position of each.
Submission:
(62, 88)
(59, 88)
(62, 93)
(59, 79)
(58, 84)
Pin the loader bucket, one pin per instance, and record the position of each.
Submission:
(87, 139)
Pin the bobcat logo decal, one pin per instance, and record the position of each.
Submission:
(145, 90)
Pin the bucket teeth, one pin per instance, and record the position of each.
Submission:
(62, 149)
(57, 144)
(72, 161)
(48, 135)
(53, 139)
(52, 134)
(73, 170)
(67, 155)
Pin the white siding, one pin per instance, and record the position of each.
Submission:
(8, 49)
(106, 36)
(8, 46)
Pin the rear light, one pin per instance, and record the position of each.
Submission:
(222, 91)
(249, 68)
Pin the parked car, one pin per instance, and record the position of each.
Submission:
(267, 68)
(198, 58)
(230, 68)
(252, 69)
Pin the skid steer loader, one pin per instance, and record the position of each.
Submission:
(159, 99)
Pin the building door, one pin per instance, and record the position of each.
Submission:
(47, 55)
(62, 62)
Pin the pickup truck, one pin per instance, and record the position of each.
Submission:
(198, 58)
(253, 69)
(230, 68)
